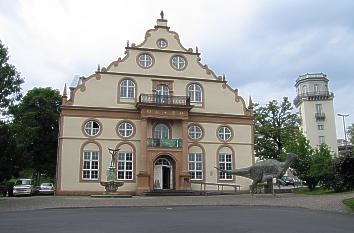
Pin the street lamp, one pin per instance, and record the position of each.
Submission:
(345, 132)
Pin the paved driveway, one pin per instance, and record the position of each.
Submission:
(331, 202)
(177, 219)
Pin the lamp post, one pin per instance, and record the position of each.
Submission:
(345, 132)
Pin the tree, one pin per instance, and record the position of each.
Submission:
(36, 120)
(350, 132)
(312, 165)
(343, 173)
(10, 159)
(322, 167)
(301, 147)
(275, 126)
(10, 81)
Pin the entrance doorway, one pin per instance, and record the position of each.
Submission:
(163, 174)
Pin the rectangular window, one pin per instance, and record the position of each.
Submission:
(90, 167)
(125, 166)
(320, 127)
(318, 108)
(195, 166)
(225, 163)
(317, 89)
(321, 140)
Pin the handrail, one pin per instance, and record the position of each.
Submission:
(164, 99)
(204, 184)
(167, 143)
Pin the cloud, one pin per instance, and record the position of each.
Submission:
(261, 46)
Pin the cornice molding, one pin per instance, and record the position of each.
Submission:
(162, 76)
(162, 50)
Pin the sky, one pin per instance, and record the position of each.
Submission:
(261, 46)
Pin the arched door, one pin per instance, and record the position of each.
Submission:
(163, 174)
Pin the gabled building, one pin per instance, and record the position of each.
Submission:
(314, 103)
(172, 119)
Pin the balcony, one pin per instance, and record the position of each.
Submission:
(320, 95)
(164, 100)
(164, 143)
(320, 116)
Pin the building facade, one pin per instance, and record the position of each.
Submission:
(314, 103)
(172, 119)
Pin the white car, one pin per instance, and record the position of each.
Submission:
(46, 188)
(23, 187)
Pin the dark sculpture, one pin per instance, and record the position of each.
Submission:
(264, 171)
(112, 184)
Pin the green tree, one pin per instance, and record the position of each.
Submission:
(350, 132)
(36, 120)
(275, 126)
(312, 165)
(10, 81)
(10, 159)
(322, 167)
(301, 147)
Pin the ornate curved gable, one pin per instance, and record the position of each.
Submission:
(162, 56)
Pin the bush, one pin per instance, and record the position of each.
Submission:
(343, 173)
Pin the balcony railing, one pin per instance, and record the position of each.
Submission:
(320, 116)
(164, 100)
(319, 95)
(166, 143)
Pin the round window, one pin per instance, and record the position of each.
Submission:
(92, 128)
(125, 129)
(178, 62)
(195, 132)
(224, 133)
(145, 60)
(161, 43)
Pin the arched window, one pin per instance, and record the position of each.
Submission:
(195, 92)
(304, 90)
(162, 89)
(161, 131)
(127, 89)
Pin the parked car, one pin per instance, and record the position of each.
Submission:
(46, 188)
(23, 187)
(288, 180)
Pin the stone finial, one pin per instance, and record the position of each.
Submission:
(127, 43)
(64, 91)
(162, 14)
(250, 103)
(98, 68)
(64, 96)
(196, 49)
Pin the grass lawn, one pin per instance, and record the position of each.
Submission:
(349, 202)
(317, 191)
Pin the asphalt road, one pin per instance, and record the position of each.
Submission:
(177, 219)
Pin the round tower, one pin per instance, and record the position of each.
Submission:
(314, 103)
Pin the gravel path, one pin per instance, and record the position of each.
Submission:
(331, 202)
